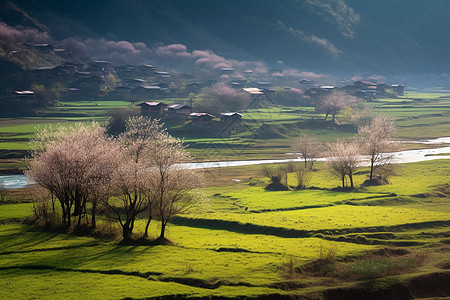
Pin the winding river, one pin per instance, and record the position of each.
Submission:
(407, 156)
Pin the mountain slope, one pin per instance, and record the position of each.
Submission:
(322, 35)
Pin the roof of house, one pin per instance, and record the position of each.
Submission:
(366, 82)
(253, 91)
(230, 114)
(24, 92)
(177, 106)
(153, 104)
(227, 69)
(201, 115)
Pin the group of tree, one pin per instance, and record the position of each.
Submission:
(138, 174)
(333, 103)
(372, 147)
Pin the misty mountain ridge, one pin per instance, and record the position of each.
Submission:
(322, 36)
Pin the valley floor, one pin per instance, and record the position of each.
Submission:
(243, 241)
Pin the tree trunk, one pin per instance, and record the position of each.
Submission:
(147, 225)
(163, 230)
(371, 168)
(351, 179)
(343, 181)
(126, 231)
(94, 211)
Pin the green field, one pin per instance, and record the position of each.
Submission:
(241, 240)
(221, 249)
(266, 132)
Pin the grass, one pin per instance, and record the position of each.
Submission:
(220, 248)
(21, 210)
(266, 132)
(236, 260)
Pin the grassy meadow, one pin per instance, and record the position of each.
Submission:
(241, 240)
(221, 249)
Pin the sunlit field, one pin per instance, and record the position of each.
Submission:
(241, 240)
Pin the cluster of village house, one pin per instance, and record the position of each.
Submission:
(147, 83)
(160, 110)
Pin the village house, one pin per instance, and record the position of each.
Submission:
(226, 71)
(44, 73)
(147, 70)
(193, 87)
(28, 96)
(122, 90)
(135, 82)
(201, 119)
(152, 109)
(43, 48)
(248, 73)
(231, 117)
(148, 91)
(92, 83)
(178, 111)
(398, 89)
(162, 75)
(126, 72)
(100, 67)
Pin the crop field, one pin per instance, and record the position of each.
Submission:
(222, 249)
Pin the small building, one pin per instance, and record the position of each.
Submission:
(152, 109)
(25, 95)
(135, 82)
(365, 85)
(146, 69)
(201, 119)
(123, 90)
(149, 91)
(263, 84)
(178, 111)
(226, 71)
(73, 91)
(398, 89)
(366, 94)
(248, 73)
(162, 75)
(316, 92)
(93, 82)
(193, 87)
(231, 117)
(100, 67)
(45, 72)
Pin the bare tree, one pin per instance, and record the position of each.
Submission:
(333, 103)
(377, 142)
(304, 175)
(344, 160)
(130, 179)
(73, 164)
(308, 148)
(171, 184)
(277, 176)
